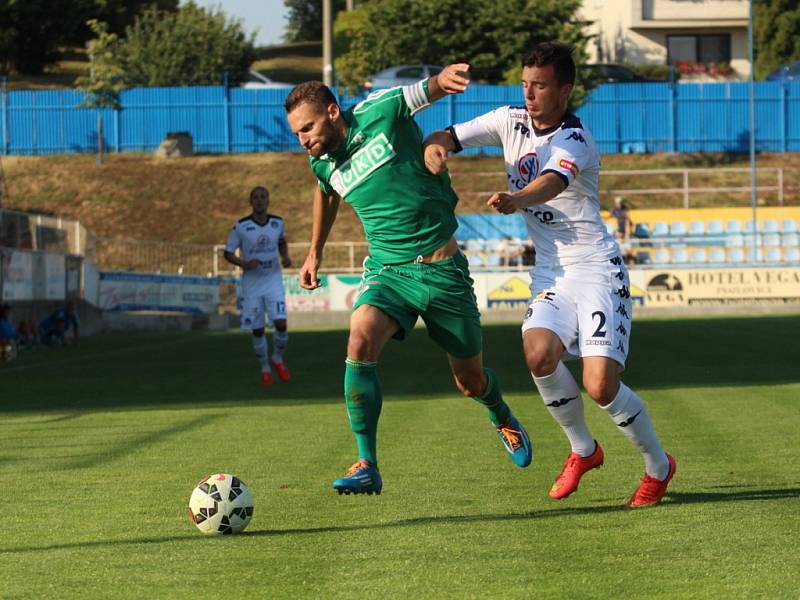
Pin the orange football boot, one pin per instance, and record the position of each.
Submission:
(574, 468)
(651, 490)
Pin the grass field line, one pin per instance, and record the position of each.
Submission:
(104, 354)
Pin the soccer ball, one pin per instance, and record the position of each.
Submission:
(221, 503)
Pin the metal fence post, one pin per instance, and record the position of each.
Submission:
(686, 188)
(673, 116)
(226, 117)
(780, 186)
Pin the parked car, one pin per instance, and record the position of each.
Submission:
(401, 75)
(790, 72)
(257, 80)
(609, 73)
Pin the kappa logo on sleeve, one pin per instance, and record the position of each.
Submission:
(569, 166)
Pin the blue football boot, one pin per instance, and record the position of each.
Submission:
(516, 441)
(361, 478)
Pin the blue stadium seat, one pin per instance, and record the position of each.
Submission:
(494, 260)
(789, 226)
(734, 226)
(697, 228)
(698, 255)
(773, 255)
(641, 230)
(716, 255)
(643, 257)
(660, 229)
(753, 254)
(476, 260)
(769, 226)
(680, 256)
(735, 255)
(677, 228)
(791, 254)
(715, 227)
(661, 256)
(750, 226)
(735, 240)
(772, 239)
(791, 239)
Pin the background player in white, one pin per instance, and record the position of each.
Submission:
(260, 237)
(580, 304)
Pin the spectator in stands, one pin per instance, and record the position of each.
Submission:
(53, 330)
(509, 251)
(622, 214)
(529, 254)
(8, 337)
(625, 248)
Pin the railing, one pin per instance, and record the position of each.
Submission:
(681, 193)
(28, 231)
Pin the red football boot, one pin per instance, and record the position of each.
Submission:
(574, 468)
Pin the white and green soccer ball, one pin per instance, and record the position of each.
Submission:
(221, 504)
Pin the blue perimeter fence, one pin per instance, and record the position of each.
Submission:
(624, 118)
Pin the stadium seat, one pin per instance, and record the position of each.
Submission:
(697, 228)
(680, 256)
(754, 255)
(660, 229)
(791, 239)
(789, 226)
(643, 258)
(734, 226)
(716, 255)
(773, 255)
(677, 228)
(698, 255)
(735, 240)
(791, 255)
(493, 260)
(772, 239)
(661, 256)
(769, 226)
(715, 227)
(476, 260)
(736, 255)
(641, 230)
(750, 226)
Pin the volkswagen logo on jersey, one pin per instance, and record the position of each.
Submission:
(527, 168)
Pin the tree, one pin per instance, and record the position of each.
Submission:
(382, 33)
(777, 34)
(304, 19)
(192, 46)
(32, 30)
(105, 80)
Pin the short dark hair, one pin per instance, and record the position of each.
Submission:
(255, 189)
(314, 92)
(553, 53)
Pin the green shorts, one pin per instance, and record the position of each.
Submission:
(440, 292)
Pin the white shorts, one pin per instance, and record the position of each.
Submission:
(262, 311)
(588, 306)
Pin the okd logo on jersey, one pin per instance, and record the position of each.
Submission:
(354, 171)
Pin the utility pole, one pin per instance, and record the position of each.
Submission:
(327, 42)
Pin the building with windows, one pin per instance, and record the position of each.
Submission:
(675, 32)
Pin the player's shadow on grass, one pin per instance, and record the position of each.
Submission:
(676, 498)
(218, 369)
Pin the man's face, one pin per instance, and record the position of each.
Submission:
(259, 200)
(545, 98)
(313, 124)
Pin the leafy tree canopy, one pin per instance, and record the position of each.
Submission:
(777, 34)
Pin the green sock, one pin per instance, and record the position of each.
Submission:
(492, 399)
(363, 398)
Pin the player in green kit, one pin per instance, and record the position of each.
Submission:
(371, 156)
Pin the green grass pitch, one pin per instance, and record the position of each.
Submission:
(101, 445)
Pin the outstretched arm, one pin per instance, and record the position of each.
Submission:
(324, 214)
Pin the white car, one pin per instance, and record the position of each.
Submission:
(401, 75)
(256, 80)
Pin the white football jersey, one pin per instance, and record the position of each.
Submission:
(259, 242)
(568, 229)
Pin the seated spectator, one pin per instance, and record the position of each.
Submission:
(27, 336)
(622, 214)
(510, 252)
(528, 254)
(625, 249)
(53, 330)
(8, 337)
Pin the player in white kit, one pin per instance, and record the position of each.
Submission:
(263, 248)
(580, 299)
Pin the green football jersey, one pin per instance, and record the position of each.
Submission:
(379, 170)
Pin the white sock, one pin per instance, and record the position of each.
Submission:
(563, 399)
(631, 417)
(280, 340)
(260, 348)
